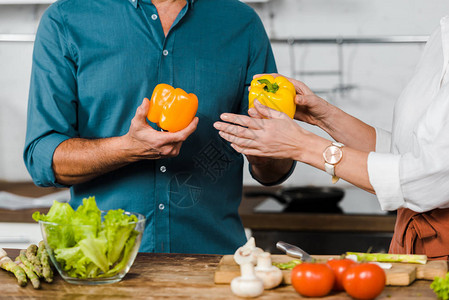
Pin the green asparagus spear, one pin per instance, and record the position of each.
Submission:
(47, 271)
(27, 263)
(31, 275)
(288, 265)
(7, 264)
(31, 255)
(386, 257)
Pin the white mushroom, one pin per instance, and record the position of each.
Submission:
(271, 275)
(247, 253)
(247, 285)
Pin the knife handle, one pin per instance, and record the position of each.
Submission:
(282, 246)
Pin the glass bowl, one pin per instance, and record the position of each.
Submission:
(93, 255)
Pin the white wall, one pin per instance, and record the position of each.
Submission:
(15, 68)
(378, 72)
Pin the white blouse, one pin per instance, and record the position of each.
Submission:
(410, 167)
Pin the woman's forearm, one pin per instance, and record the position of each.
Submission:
(349, 130)
(353, 166)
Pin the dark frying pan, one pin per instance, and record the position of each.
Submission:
(305, 199)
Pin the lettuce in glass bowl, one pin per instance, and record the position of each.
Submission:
(90, 246)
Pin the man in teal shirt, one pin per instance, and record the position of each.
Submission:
(94, 62)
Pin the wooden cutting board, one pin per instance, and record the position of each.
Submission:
(399, 275)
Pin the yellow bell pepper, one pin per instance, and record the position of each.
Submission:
(172, 109)
(277, 93)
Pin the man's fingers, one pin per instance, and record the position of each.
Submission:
(183, 134)
(142, 110)
(140, 118)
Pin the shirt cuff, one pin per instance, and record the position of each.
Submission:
(281, 180)
(383, 140)
(43, 160)
(383, 171)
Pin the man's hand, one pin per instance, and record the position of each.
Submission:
(147, 143)
(78, 160)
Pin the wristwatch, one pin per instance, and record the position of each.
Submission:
(332, 156)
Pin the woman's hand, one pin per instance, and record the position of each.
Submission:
(309, 107)
(276, 137)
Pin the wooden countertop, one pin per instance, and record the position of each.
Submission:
(174, 276)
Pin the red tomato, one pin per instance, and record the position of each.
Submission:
(364, 281)
(312, 279)
(339, 266)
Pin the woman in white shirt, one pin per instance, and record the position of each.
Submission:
(408, 169)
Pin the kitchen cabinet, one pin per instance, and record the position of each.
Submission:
(176, 276)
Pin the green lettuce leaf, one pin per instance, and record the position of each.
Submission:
(61, 235)
(59, 212)
(441, 287)
(86, 247)
(118, 227)
(95, 250)
(127, 252)
(86, 220)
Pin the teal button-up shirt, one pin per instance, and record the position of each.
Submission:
(95, 60)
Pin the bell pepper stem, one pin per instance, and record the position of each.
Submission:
(269, 87)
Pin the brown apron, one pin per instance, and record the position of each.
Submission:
(422, 233)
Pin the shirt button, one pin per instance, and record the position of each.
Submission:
(163, 169)
(161, 206)
(153, 16)
(165, 52)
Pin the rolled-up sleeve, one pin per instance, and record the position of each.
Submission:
(383, 140)
(52, 104)
(383, 170)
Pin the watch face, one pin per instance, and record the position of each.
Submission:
(332, 154)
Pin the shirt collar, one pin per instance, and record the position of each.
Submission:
(135, 2)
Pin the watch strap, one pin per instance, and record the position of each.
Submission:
(340, 145)
(330, 169)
